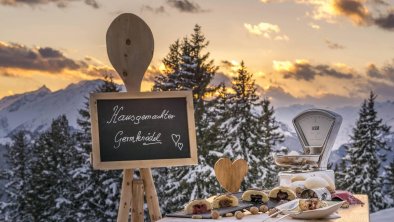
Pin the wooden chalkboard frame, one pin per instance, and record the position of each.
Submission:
(96, 159)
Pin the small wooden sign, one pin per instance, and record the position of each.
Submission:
(231, 174)
(143, 130)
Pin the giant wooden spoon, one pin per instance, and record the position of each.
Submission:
(130, 48)
(130, 51)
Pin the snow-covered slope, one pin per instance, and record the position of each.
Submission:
(383, 215)
(35, 110)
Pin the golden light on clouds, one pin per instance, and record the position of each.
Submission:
(263, 28)
(282, 65)
(314, 26)
(353, 9)
(323, 9)
(267, 30)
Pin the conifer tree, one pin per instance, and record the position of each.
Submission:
(98, 191)
(187, 68)
(340, 174)
(389, 182)
(243, 124)
(268, 137)
(362, 154)
(49, 192)
(214, 118)
(17, 175)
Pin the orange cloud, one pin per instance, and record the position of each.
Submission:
(354, 10)
(303, 70)
(267, 30)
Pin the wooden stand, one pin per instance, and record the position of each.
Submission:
(132, 197)
(130, 50)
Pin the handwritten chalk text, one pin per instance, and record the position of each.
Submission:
(117, 116)
(146, 139)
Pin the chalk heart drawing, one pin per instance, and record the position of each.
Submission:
(175, 138)
(180, 146)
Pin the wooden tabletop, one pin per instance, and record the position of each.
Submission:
(355, 213)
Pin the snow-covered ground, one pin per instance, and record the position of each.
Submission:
(383, 216)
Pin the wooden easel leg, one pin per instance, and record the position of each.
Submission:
(125, 196)
(138, 201)
(151, 195)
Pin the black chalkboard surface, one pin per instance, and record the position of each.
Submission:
(143, 129)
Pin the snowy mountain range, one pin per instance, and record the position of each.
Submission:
(35, 110)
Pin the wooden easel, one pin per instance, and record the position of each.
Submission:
(130, 50)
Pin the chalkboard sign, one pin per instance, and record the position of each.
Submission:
(140, 130)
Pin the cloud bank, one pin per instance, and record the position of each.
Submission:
(304, 70)
(58, 3)
(45, 59)
(360, 12)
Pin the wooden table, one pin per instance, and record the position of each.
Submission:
(355, 213)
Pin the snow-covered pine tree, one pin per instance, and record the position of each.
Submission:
(49, 192)
(363, 154)
(215, 116)
(340, 170)
(98, 191)
(389, 183)
(17, 159)
(268, 137)
(243, 125)
(167, 81)
(188, 68)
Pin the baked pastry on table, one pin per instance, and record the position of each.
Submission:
(225, 200)
(282, 193)
(255, 196)
(320, 182)
(198, 207)
(298, 187)
(311, 204)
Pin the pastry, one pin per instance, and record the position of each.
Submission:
(255, 196)
(331, 185)
(226, 200)
(198, 207)
(298, 187)
(282, 193)
(298, 178)
(320, 193)
(311, 204)
(316, 182)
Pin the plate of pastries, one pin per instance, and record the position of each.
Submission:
(304, 198)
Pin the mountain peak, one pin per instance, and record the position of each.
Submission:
(43, 88)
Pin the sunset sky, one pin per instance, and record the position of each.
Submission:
(330, 51)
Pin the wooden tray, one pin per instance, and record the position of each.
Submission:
(222, 211)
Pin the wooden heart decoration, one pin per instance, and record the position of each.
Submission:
(130, 48)
(230, 174)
